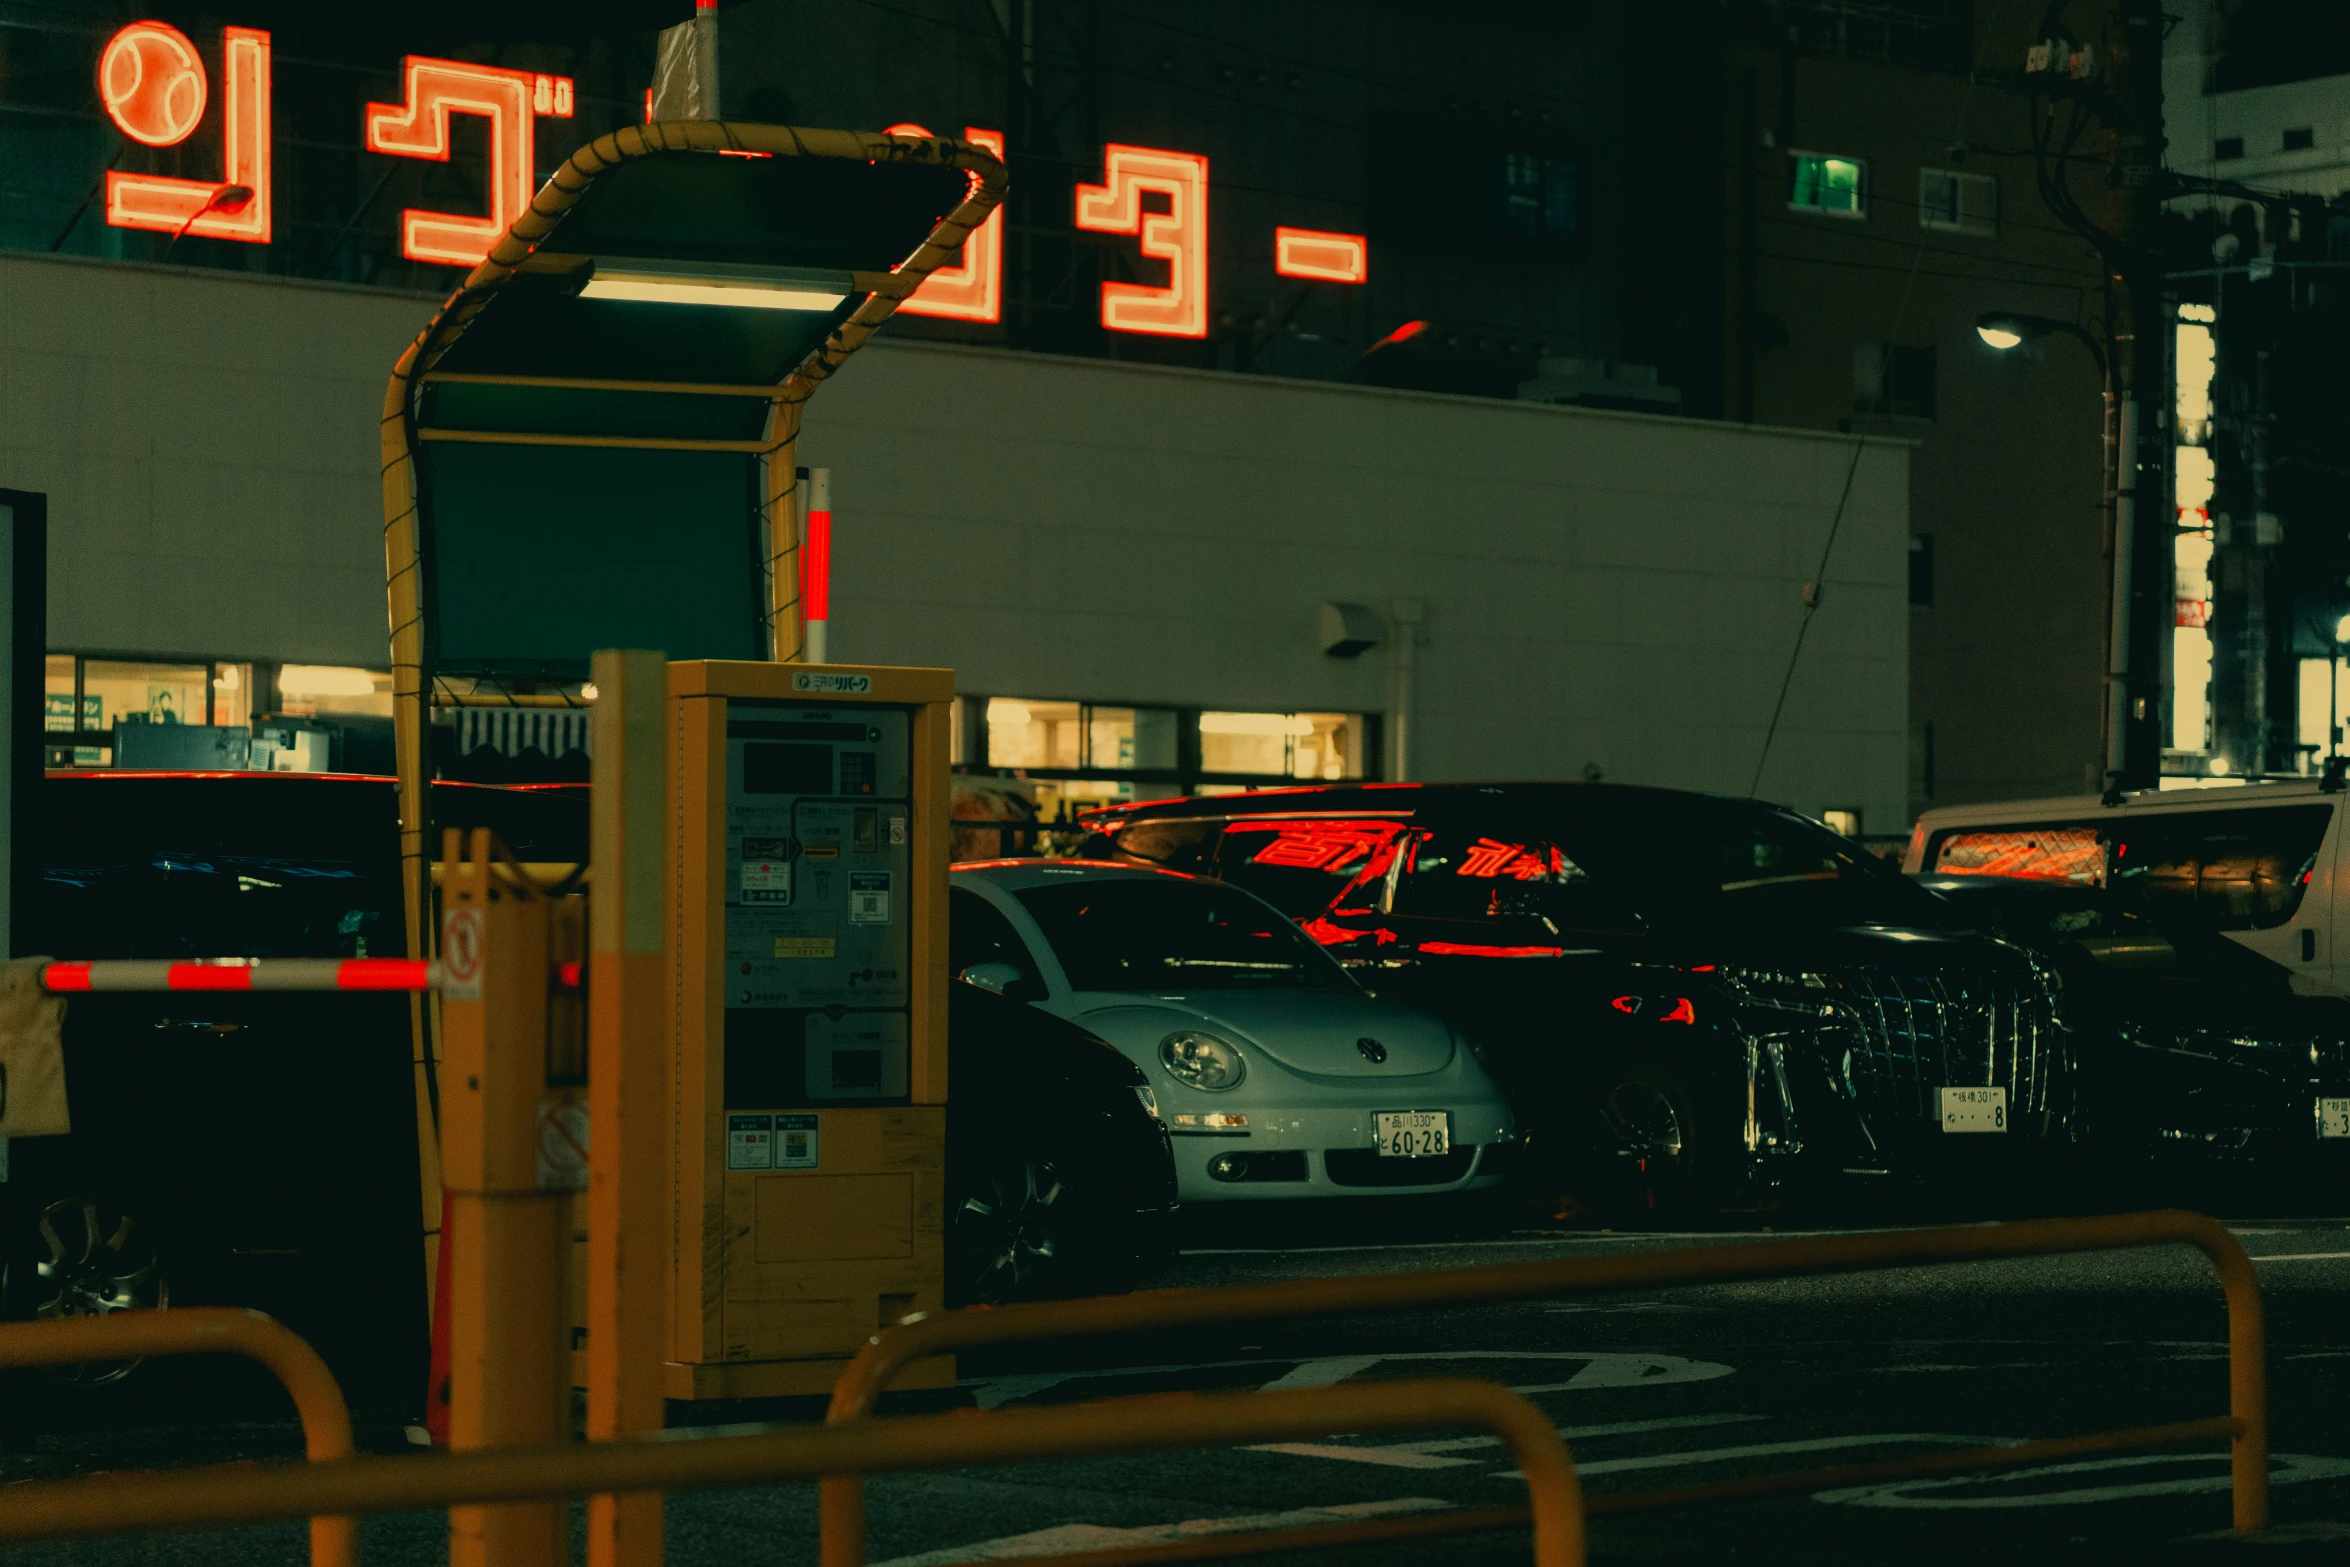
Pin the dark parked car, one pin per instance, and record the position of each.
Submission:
(240, 1149)
(1703, 994)
(2192, 1046)
(1060, 1178)
(260, 1149)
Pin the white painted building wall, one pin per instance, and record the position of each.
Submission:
(1601, 589)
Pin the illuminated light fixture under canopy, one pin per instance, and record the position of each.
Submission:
(741, 288)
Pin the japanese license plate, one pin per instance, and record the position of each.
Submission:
(2333, 1118)
(1412, 1134)
(1974, 1109)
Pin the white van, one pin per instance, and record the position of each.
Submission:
(2263, 863)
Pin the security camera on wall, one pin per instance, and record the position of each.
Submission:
(1348, 629)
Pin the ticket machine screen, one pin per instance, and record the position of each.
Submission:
(817, 905)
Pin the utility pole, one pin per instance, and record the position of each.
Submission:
(2144, 523)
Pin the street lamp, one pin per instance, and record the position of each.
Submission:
(2007, 330)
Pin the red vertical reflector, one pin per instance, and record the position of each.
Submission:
(816, 568)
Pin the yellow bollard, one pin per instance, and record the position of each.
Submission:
(629, 1031)
(509, 1378)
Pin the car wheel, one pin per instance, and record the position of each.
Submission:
(89, 1258)
(1009, 1231)
(1654, 1118)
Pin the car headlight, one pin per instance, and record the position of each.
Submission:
(1203, 1061)
(1150, 1101)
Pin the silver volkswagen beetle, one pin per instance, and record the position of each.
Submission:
(1275, 1073)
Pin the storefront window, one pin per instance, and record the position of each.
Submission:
(114, 692)
(1287, 745)
(145, 693)
(1034, 734)
(1125, 738)
(327, 690)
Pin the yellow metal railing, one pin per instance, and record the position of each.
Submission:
(223, 1494)
(2245, 1426)
(212, 1330)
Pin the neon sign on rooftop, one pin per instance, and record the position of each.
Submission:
(155, 88)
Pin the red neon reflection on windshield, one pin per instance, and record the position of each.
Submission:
(1471, 949)
(1490, 857)
(1317, 846)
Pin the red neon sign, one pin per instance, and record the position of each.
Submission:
(1178, 236)
(1325, 258)
(435, 90)
(151, 80)
(972, 289)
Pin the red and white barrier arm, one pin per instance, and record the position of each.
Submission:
(243, 974)
(73, 979)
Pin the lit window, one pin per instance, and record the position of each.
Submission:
(1033, 734)
(308, 690)
(1845, 821)
(1282, 745)
(1958, 203)
(1837, 187)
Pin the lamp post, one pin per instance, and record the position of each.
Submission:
(2007, 330)
(2334, 689)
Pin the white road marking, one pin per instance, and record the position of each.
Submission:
(1817, 1444)
(1600, 1369)
(1424, 1455)
(2306, 1256)
(1406, 1456)
(1328, 1371)
(1067, 1538)
(2284, 1469)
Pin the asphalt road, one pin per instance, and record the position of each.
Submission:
(1651, 1389)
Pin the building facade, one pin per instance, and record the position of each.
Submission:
(1132, 545)
(1881, 197)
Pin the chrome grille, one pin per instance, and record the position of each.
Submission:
(1895, 1037)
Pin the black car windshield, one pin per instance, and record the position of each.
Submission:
(1160, 933)
(1708, 861)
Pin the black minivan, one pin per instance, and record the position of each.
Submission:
(1689, 998)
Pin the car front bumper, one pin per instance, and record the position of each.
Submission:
(1288, 1153)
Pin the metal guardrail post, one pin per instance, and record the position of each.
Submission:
(224, 1494)
(509, 1377)
(630, 1023)
(886, 1353)
(212, 1330)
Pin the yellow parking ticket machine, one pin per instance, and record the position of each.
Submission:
(811, 1069)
